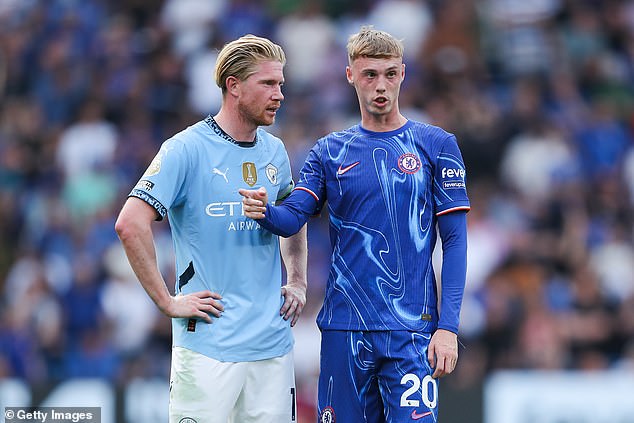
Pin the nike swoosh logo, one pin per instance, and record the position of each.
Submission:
(343, 170)
(416, 416)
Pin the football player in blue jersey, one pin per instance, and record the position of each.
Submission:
(390, 185)
(232, 342)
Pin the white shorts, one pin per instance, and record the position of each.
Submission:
(204, 390)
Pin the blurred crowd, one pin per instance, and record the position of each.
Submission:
(540, 95)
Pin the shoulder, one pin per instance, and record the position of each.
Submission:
(347, 133)
(188, 138)
(272, 147)
(271, 150)
(340, 136)
(269, 139)
(432, 139)
(194, 133)
(431, 131)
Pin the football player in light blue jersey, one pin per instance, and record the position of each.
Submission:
(232, 342)
(390, 185)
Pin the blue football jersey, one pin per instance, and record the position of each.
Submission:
(384, 191)
(194, 180)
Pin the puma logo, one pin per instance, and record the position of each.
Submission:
(217, 171)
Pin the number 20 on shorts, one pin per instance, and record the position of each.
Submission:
(429, 392)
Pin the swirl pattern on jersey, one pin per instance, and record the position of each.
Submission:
(383, 193)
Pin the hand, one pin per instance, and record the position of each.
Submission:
(443, 352)
(254, 202)
(294, 301)
(196, 304)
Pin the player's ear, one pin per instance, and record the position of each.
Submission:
(349, 75)
(233, 86)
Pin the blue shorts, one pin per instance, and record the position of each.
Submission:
(376, 377)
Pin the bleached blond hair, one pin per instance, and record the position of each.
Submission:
(239, 58)
(370, 42)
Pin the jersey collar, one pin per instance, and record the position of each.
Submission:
(222, 134)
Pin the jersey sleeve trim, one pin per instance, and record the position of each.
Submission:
(153, 202)
(309, 191)
(453, 209)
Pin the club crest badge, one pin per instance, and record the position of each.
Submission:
(249, 173)
(409, 163)
(271, 173)
(327, 415)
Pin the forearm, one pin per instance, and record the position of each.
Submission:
(134, 230)
(142, 257)
(454, 268)
(282, 220)
(290, 216)
(295, 256)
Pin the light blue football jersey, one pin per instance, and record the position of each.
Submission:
(194, 180)
(384, 191)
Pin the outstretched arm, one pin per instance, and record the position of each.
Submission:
(254, 202)
(135, 232)
(443, 347)
(285, 219)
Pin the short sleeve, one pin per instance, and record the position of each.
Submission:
(162, 185)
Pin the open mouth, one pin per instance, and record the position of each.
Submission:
(380, 101)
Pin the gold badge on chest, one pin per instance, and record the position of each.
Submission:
(249, 173)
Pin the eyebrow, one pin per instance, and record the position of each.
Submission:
(391, 68)
(271, 81)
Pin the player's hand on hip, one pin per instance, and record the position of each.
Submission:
(254, 202)
(443, 352)
(197, 304)
(294, 301)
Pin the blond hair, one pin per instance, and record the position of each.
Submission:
(240, 57)
(370, 42)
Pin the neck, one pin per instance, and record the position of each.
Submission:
(235, 127)
(382, 123)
